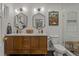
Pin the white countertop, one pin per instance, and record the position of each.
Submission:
(25, 35)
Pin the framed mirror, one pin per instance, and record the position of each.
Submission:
(20, 21)
(38, 21)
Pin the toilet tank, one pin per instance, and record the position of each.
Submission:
(55, 39)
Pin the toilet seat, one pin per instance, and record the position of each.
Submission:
(59, 48)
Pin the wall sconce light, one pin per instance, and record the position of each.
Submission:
(42, 8)
(23, 9)
(39, 9)
(16, 11)
(35, 9)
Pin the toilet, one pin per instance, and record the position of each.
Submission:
(59, 49)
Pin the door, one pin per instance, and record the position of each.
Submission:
(18, 44)
(34, 42)
(43, 42)
(43, 45)
(26, 45)
(34, 45)
(8, 45)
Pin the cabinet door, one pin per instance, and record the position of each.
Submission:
(43, 45)
(18, 44)
(43, 42)
(34, 42)
(8, 45)
(26, 45)
(26, 42)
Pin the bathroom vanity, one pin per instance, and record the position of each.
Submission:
(25, 44)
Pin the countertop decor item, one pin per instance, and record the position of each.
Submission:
(9, 28)
(30, 31)
(40, 31)
(53, 18)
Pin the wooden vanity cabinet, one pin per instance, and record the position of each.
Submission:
(25, 45)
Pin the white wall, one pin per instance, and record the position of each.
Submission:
(69, 8)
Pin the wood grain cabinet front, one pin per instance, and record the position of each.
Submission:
(17, 46)
(8, 45)
(34, 42)
(43, 42)
(25, 44)
(39, 45)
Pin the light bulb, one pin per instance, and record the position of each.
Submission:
(35, 9)
(16, 11)
(24, 9)
(42, 8)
